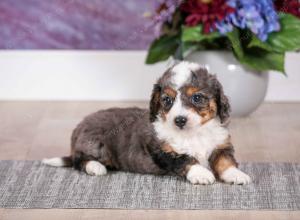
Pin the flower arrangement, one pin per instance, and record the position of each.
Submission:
(259, 32)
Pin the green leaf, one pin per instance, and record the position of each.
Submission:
(195, 34)
(255, 42)
(162, 48)
(235, 40)
(256, 58)
(264, 60)
(288, 38)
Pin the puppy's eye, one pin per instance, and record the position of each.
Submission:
(198, 98)
(168, 101)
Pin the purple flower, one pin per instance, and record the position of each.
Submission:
(257, 15)
(164, 12)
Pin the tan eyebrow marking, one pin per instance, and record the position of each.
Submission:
(190, 90)
(171, 92)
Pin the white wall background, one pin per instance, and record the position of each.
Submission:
(103, 75)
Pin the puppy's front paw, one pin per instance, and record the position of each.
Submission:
(95, 168)
(200, 175)
(235, 176)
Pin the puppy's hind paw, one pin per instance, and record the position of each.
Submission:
(95, 168)
(235, 176)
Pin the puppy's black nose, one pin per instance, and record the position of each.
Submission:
(180, 121)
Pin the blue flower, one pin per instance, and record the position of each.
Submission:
(259, 16)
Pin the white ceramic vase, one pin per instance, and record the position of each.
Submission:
(245, 88)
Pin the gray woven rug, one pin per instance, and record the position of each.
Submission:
(28, 184)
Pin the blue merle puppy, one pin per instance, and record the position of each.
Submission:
(182, 133)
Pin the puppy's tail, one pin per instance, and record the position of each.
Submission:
(58, 161)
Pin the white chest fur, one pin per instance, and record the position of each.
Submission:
(198, 142)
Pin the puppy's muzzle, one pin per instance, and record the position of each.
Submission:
(180, 121)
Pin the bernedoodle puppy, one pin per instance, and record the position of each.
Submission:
(183, 133)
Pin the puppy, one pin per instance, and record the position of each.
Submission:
(183, 133)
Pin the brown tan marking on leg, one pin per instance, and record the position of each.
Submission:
(169, 149)
(221, 159)
(169, 161)
(188, 167)
(225, 166)
(222, 164)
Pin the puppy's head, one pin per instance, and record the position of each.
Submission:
(186, 97)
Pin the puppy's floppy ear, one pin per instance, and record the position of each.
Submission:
(155, 102)
(222, 101)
